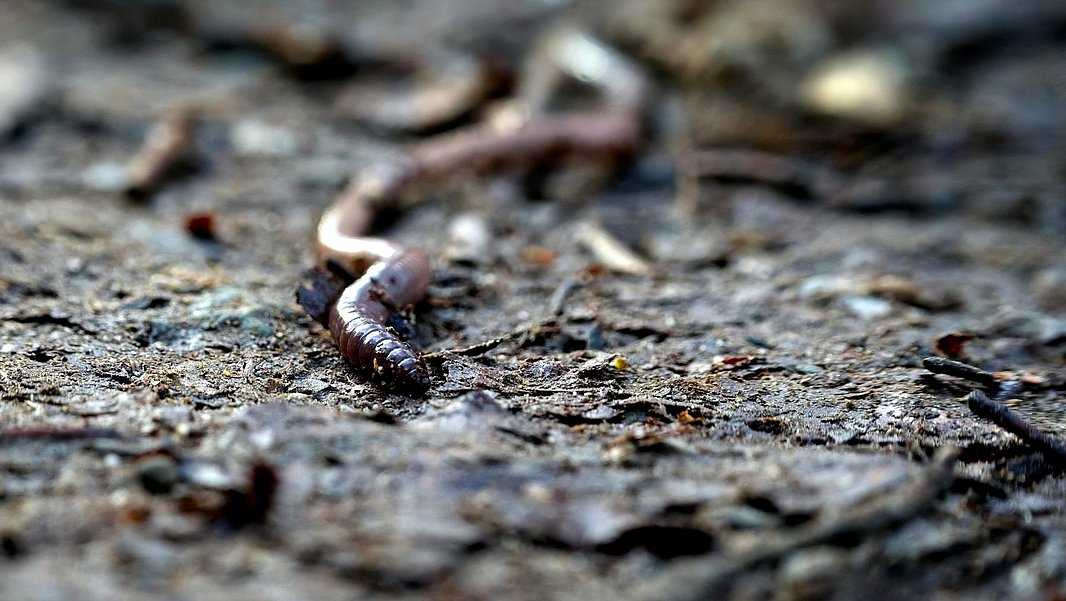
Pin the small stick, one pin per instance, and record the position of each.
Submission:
(58, 434)
(1053, 449)
(557, 303)
(169, 145)
(610, 251)
(789, 174)
(949, 367)
(474, 350)
(480, 348)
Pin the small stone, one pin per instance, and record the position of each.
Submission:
(823, 285)
(311, 386)
(468, 238)
(867, 307)
(1049, 287)
(109, 176)
(158, 474)
(1051, 330)
(147, 560)
(255, 138)
(810, 573)
(23, 81)
(257, 326)
(868, 85)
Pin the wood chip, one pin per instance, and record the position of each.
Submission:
(609, 250)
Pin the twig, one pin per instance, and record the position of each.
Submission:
(791, 175)
(169, 145)
(1053, 449)
(485, 346)
(473, 350)
(610, 251)
(568, 52)
(566, 289)
(713, 579)
(57, 434)
(948, 367)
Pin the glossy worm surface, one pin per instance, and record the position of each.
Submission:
(358, 321)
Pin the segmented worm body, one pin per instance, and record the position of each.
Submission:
(358, 320)
(395, 276)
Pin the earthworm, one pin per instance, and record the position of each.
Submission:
(449, 88)
(571, 52)
(394, 275)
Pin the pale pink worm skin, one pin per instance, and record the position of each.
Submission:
(394, 276)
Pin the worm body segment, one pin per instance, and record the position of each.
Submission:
(357, 321)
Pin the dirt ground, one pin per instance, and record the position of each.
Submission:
(745, 416)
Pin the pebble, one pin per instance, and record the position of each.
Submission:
(468, 238)
(256, 325)
(867, 84)
(107, 176)
(158, 474)
(256, 138)
(310, 386)
(867, 307)
(23, 81)
(1049, 287)
(811, 573)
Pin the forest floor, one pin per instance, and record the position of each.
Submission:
(745, 415)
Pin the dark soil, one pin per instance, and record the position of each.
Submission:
(750, 420)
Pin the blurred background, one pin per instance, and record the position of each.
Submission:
(958, 104)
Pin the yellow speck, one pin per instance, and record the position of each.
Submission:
(619, 363)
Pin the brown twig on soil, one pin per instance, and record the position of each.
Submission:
(610, 251)
(563, 292)
(1053, 449)
(958, 369)
(713, 577)
(169, 146)
(305, 50)
(474, 350)
(788, 174)
(57, 434)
